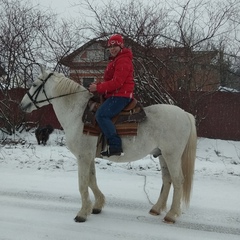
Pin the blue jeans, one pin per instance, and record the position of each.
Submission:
(109, 109)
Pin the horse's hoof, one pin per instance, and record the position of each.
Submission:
(79, 219)
(96, 211)
(154, 212)
(169, 220)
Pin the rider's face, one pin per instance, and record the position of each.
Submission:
(114, 50)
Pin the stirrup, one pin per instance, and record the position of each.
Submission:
(112, 152)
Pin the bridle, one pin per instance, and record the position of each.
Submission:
(34, 96)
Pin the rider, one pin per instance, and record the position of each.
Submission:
(117, 89)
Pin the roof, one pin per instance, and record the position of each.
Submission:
(69, 58)
(139, 50)
(67, 61)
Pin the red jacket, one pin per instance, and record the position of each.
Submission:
(118, 76)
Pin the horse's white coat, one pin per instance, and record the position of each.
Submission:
(167, 127)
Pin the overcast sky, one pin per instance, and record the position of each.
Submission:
(62, 7)
(66, 8)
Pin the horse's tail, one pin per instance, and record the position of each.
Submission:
(188, 161)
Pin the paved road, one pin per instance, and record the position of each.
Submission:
(36, 215)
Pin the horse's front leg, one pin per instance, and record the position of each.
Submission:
(99, 197)
(83, 182)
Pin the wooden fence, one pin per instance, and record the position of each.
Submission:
(218, 114)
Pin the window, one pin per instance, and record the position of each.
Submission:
(87, 81)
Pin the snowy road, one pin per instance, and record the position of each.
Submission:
(42, 205)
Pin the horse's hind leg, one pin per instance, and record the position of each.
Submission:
(99, 197)
(162, 200)
(175, 170)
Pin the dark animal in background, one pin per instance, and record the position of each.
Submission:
(42, 134)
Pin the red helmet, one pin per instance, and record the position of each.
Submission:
(116, 40)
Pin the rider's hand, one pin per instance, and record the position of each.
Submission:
(93, 87)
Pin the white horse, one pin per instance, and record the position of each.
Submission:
(168, 133)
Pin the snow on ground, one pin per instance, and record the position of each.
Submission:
(39, 194)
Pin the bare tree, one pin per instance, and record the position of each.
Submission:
(204, 28)
(142, 23)
(29, 36)
(19, 43)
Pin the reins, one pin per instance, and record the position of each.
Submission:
(34, 96)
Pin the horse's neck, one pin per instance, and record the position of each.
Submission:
(69, 110)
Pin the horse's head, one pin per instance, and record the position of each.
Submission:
(39, 94)
(50, 86)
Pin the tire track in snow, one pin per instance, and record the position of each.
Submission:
(120, 210)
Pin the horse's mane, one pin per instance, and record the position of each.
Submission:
(65, 85)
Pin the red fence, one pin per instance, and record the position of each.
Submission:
(40, 117)
(222, 116)
(218, 114)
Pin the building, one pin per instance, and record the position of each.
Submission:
(87, 63)
(175, 68)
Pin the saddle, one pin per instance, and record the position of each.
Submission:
(126, 121)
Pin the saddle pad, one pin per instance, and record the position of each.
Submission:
(124, 129)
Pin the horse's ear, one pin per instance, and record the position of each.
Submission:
(42, 68)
